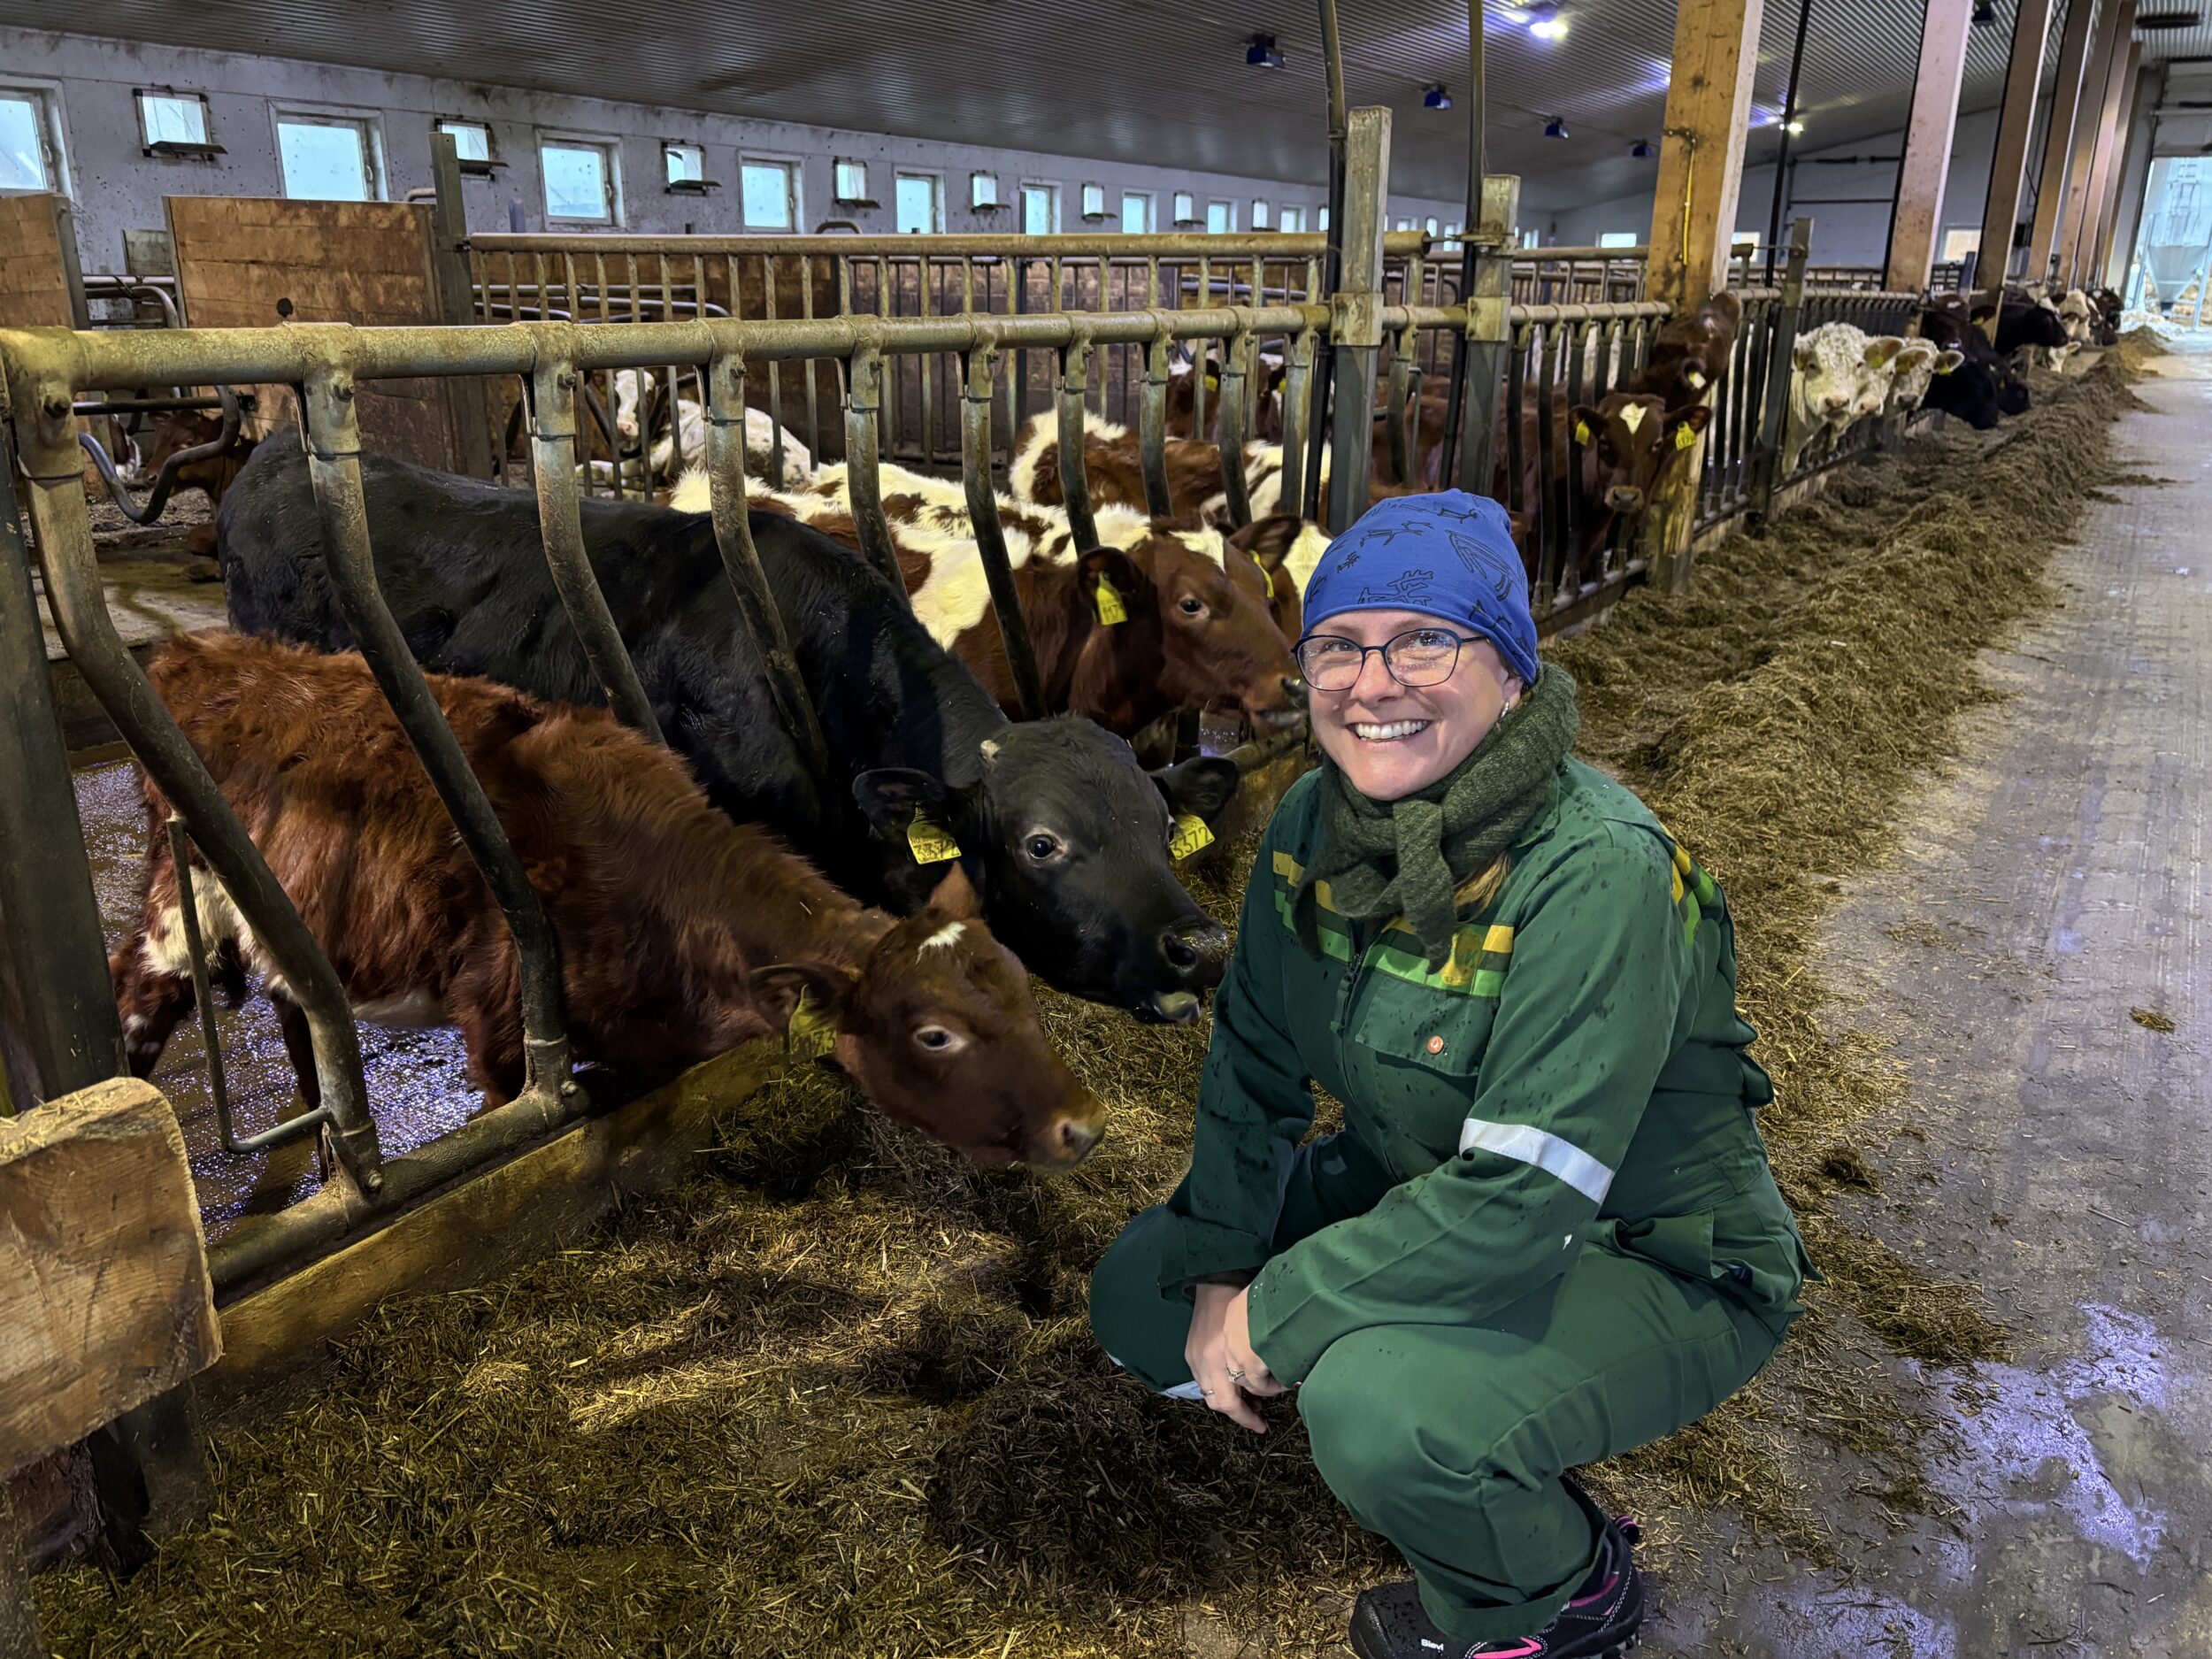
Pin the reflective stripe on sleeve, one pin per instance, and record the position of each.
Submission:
(1525, 1143)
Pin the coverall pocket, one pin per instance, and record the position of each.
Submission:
(1414, 1054)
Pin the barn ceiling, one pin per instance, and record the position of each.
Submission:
(1155, 81)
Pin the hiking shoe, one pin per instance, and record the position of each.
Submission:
(1603, 1620)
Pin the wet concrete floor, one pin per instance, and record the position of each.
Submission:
(2051, 905)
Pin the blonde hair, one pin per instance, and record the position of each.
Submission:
(1479, 889)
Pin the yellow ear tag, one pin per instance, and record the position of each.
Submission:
(1213, 382)
(809, 1035)
(1696, 377)
(931, 843)
(1266, 575)
(1191, 833)
(1110, 610)
(1684, 437)
(1582, 432)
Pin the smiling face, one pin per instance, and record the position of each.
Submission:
(1393, 739)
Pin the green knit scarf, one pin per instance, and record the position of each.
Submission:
(1405, 858)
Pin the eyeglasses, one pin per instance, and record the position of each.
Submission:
(1419, 657)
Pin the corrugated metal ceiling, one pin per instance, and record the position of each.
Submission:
(1136, 80)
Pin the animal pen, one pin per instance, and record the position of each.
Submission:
(932, 351)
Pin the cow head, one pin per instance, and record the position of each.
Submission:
(1918, 362)
(1628, 440)
(633, 390)
(1878, 361)
(1065, 838)
(937, 1027)
(1194, 633)
(174, 431)
(1829, 371)
(1182, 397)
(1691, 353)
(1972, 391)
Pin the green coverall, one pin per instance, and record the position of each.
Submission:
(1547, 1232)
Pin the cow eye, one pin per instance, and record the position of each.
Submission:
(937, 1039)
(1190, 606)
(1043, 848)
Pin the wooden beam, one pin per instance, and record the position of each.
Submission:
(104, 1297)
(1927, 159)
(2114, 24)
(2058, 137)
(2104, 168)
(2117, 244)
(2008, 166)
(1702, 147)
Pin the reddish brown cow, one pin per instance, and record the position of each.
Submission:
(681, 932)
(1266, 424)
(1691, 354)
(176, 430)
(1628, 441)
(1162, 615)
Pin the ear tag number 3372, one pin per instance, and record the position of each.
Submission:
(1190, 833)
(931, 843)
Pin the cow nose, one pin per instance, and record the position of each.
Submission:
(1835, 405)
(1070, 1139)
(1625, 500)
(1197, 949)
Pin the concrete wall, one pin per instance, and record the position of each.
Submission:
(115, 186)
(1826, 185)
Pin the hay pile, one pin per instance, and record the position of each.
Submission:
(836, 1395)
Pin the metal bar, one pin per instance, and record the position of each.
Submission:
(1550, 483)
(1333, 255)
(1782, 155)
(1152, 429)
(210, 1037)
(1236, 372)
(1516, 435)
(756, 605)
(1114, 245)
(332, 435)
(1775, 414)
(1199, 365)
(73, 592)
(1075, 491)
(1298, 381)
(863, 486)
(990, 536)
(560, 524)
(54, 983)
(1355, 322)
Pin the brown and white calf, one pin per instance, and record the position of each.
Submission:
(1627, 441)
(682, 933)
(1161, 616)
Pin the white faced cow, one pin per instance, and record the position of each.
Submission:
(1839, 375)
(635, 407)
(1913, 370)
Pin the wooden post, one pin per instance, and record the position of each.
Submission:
(1927, 159)
(2104, 167)
(1701, 151)
(2058, 138)
(2008, 168)
(2115, 242)
(2114, 25)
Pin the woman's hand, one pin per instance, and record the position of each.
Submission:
(1220, 1356)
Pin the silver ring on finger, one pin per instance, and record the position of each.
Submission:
(1236, 1375)
(1206, 1393)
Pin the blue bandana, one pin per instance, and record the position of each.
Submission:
(1449, 555)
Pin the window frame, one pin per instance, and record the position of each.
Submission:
(793, 172)
(368, 123)
(1086, 192)
(1261, 213)
(610, 149)
(1616, 239)
(203, 146)
(1186, 213)
(483, 167)
(1051, 190)
(1285, 217)
(45, 97)
(1228, 216)
(936, 181)
(699, 186)
(1151, 210)
(977, 177)
(1944, 255)
(838, 164)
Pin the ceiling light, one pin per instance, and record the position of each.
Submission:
(1556, 127)
(1985, 12)
(1262, 53)
(1544, 21)
(1436, 98)
(1642, 149)
(1796, 130)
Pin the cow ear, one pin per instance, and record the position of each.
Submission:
(889, 796)
(1946, 361)
(1883, 348)
(1692, 419)
(778, 989)
(1120, 574)
(1204, 785)
(955, 898)
(1586, 421)
(1981, 313)
(1270, 540)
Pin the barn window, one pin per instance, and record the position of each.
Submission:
(851, 178)
(28, 160)
(1185, 208)
(921, 203)
(1136, 212)
(1429, 225)
(580, 185)
(1957, 243)
(1321, 219)
(327, 157)
(1293, 219)
(1040, 208)
(1617, 239)
(174, 123)
(1259, 214)
(686, 164)
(1093, 202)
(1221, 218)
(983, 190)
(471, 140)
(771, 192)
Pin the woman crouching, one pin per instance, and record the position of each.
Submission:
(1547, 1232)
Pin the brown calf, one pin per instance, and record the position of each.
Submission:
(1690, 354)
(1627, 440)
(682, 933)
(176, 430)
(1162, 615)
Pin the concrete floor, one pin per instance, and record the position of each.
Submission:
(2057, 882)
